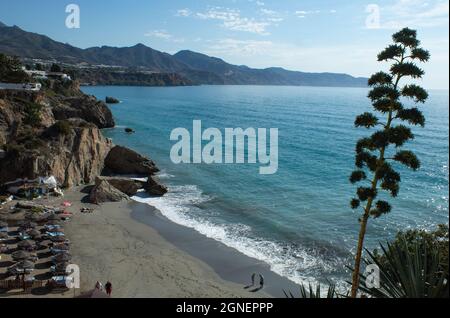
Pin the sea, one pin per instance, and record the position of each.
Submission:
(298, 220)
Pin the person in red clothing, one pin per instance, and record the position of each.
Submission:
(108, 288)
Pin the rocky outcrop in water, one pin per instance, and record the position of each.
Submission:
(111, 100)
(122, 160)
(154, 187)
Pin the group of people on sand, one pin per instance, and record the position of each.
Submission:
(107, 288)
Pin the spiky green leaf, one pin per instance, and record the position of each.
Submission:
(407, 69)
(367, 120)
(408, 158)
(417, 93)
(413, 115)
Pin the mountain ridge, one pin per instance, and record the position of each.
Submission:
(196, 67)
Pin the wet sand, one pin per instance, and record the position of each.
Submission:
(228, 263)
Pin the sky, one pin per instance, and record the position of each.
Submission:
(304, 35)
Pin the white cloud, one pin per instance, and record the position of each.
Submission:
(303, 13)
(164, 35)
(232, 20)
(415, 13)
(239, 48)
(183, 13)
(271, 15)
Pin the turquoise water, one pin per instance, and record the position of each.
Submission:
(297, 220)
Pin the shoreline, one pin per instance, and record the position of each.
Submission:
(230, 264)
(112, 244)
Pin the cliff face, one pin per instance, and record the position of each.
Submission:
(84, 107)
(64, 139)
(76, 158)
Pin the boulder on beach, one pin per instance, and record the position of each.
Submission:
(121, 160)
(154, 187)
(126, 185)
(105, 192)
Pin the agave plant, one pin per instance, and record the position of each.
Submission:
(309, 292)
(408, 270)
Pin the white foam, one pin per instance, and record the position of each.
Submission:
(296, 264)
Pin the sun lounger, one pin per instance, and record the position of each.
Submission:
(52, 227)
(58, 282)
(56, 251)
(54, 234)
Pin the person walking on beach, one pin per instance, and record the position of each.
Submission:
(99, 286)
(261, 281)
(108, 288)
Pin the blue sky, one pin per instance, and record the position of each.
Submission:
(305, 35)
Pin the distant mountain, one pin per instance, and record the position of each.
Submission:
(197, 68)
(136, 56)
(243, 75)
(15, 41)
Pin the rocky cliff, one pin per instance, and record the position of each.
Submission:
(49, 133)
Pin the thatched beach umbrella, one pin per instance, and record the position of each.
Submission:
(20, 255)
(27, 225)
(54, 230)
(53, 222)
(25, 245)
(34, 233)
(64, 257)
(61, 267)
(53, 217)
(25, 265)
(58, 239)
(62, 247)
(33, 217)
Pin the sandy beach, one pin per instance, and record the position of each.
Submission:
(145, 255)
(109, 245)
